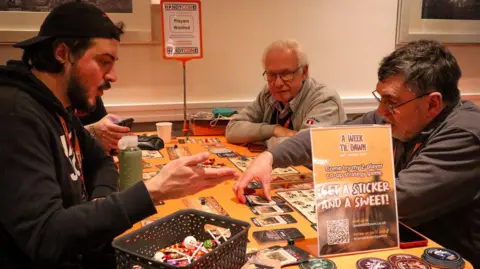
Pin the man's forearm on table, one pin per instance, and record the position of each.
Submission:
(295, 151)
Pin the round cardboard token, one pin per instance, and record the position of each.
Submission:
(443, 254)
(442, 263)
(396, 257)
(411, 264)
(367, 263)
(319, 263)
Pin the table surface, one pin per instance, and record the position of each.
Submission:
(224, 195)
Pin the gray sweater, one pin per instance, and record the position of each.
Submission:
(438, 189)
(314, 105)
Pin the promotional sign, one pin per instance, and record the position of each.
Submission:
(181, 30)
(355, 194)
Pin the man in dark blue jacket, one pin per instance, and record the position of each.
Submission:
(436, 141)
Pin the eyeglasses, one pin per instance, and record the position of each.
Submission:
(285, 76)
(391, 107)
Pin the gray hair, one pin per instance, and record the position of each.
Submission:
(287, 44)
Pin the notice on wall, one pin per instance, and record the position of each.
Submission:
(182, 29)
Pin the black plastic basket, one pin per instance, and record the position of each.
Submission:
(139, 247)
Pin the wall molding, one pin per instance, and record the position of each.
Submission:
(153, 112)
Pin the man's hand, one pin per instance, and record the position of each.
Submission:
(280, 131)
(108, 132)
(183, 177)
(260, 169)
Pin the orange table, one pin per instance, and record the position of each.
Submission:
(224, 195)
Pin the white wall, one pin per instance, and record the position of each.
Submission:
(345, 40)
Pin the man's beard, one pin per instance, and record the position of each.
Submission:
(78, 95)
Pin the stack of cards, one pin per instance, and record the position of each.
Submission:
(443, 258)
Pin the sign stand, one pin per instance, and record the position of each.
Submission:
(182, 38)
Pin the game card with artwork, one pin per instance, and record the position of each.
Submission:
(149, 175)
(151, 154)
(303, 201)
(264, 221)
(270, 209)
(243, 162)
(277, 235)
(178, 152)
(206, 204)
(354, 189)
(286, 255)
(259, 200)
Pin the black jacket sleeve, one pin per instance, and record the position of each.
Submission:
(31, 209)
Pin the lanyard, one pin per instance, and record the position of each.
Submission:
(78, 153)
(287, 123)
(417, 146)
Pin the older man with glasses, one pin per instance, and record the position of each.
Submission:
(436, 146)
(291, 100)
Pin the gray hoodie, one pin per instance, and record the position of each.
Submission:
(438, 189)
(314, 105)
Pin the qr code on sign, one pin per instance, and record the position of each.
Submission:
(338, 232)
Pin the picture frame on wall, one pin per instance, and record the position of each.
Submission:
(21, 19)
(447, 21)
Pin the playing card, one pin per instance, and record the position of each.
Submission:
(280, 255)
(149, 175)
(270, 209)
(277, 235)
(227, 154)
(218, 150)
(273, 220)
(146, 165)
(151, 154)
(259, 200)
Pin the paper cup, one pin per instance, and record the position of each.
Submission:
(164, 131)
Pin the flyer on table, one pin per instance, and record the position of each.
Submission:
(182, 29)
(354, 189)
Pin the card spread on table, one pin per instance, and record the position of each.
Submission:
(280, 255)
(146, 164)
(263, 221)
(178, 152)
(206, 204)
(303, 201)
(227, 154)
(243, 162)
(149, 175)
(218, 150)
(259, 200)
(151, 154)
(277, 235)
(270, 209)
